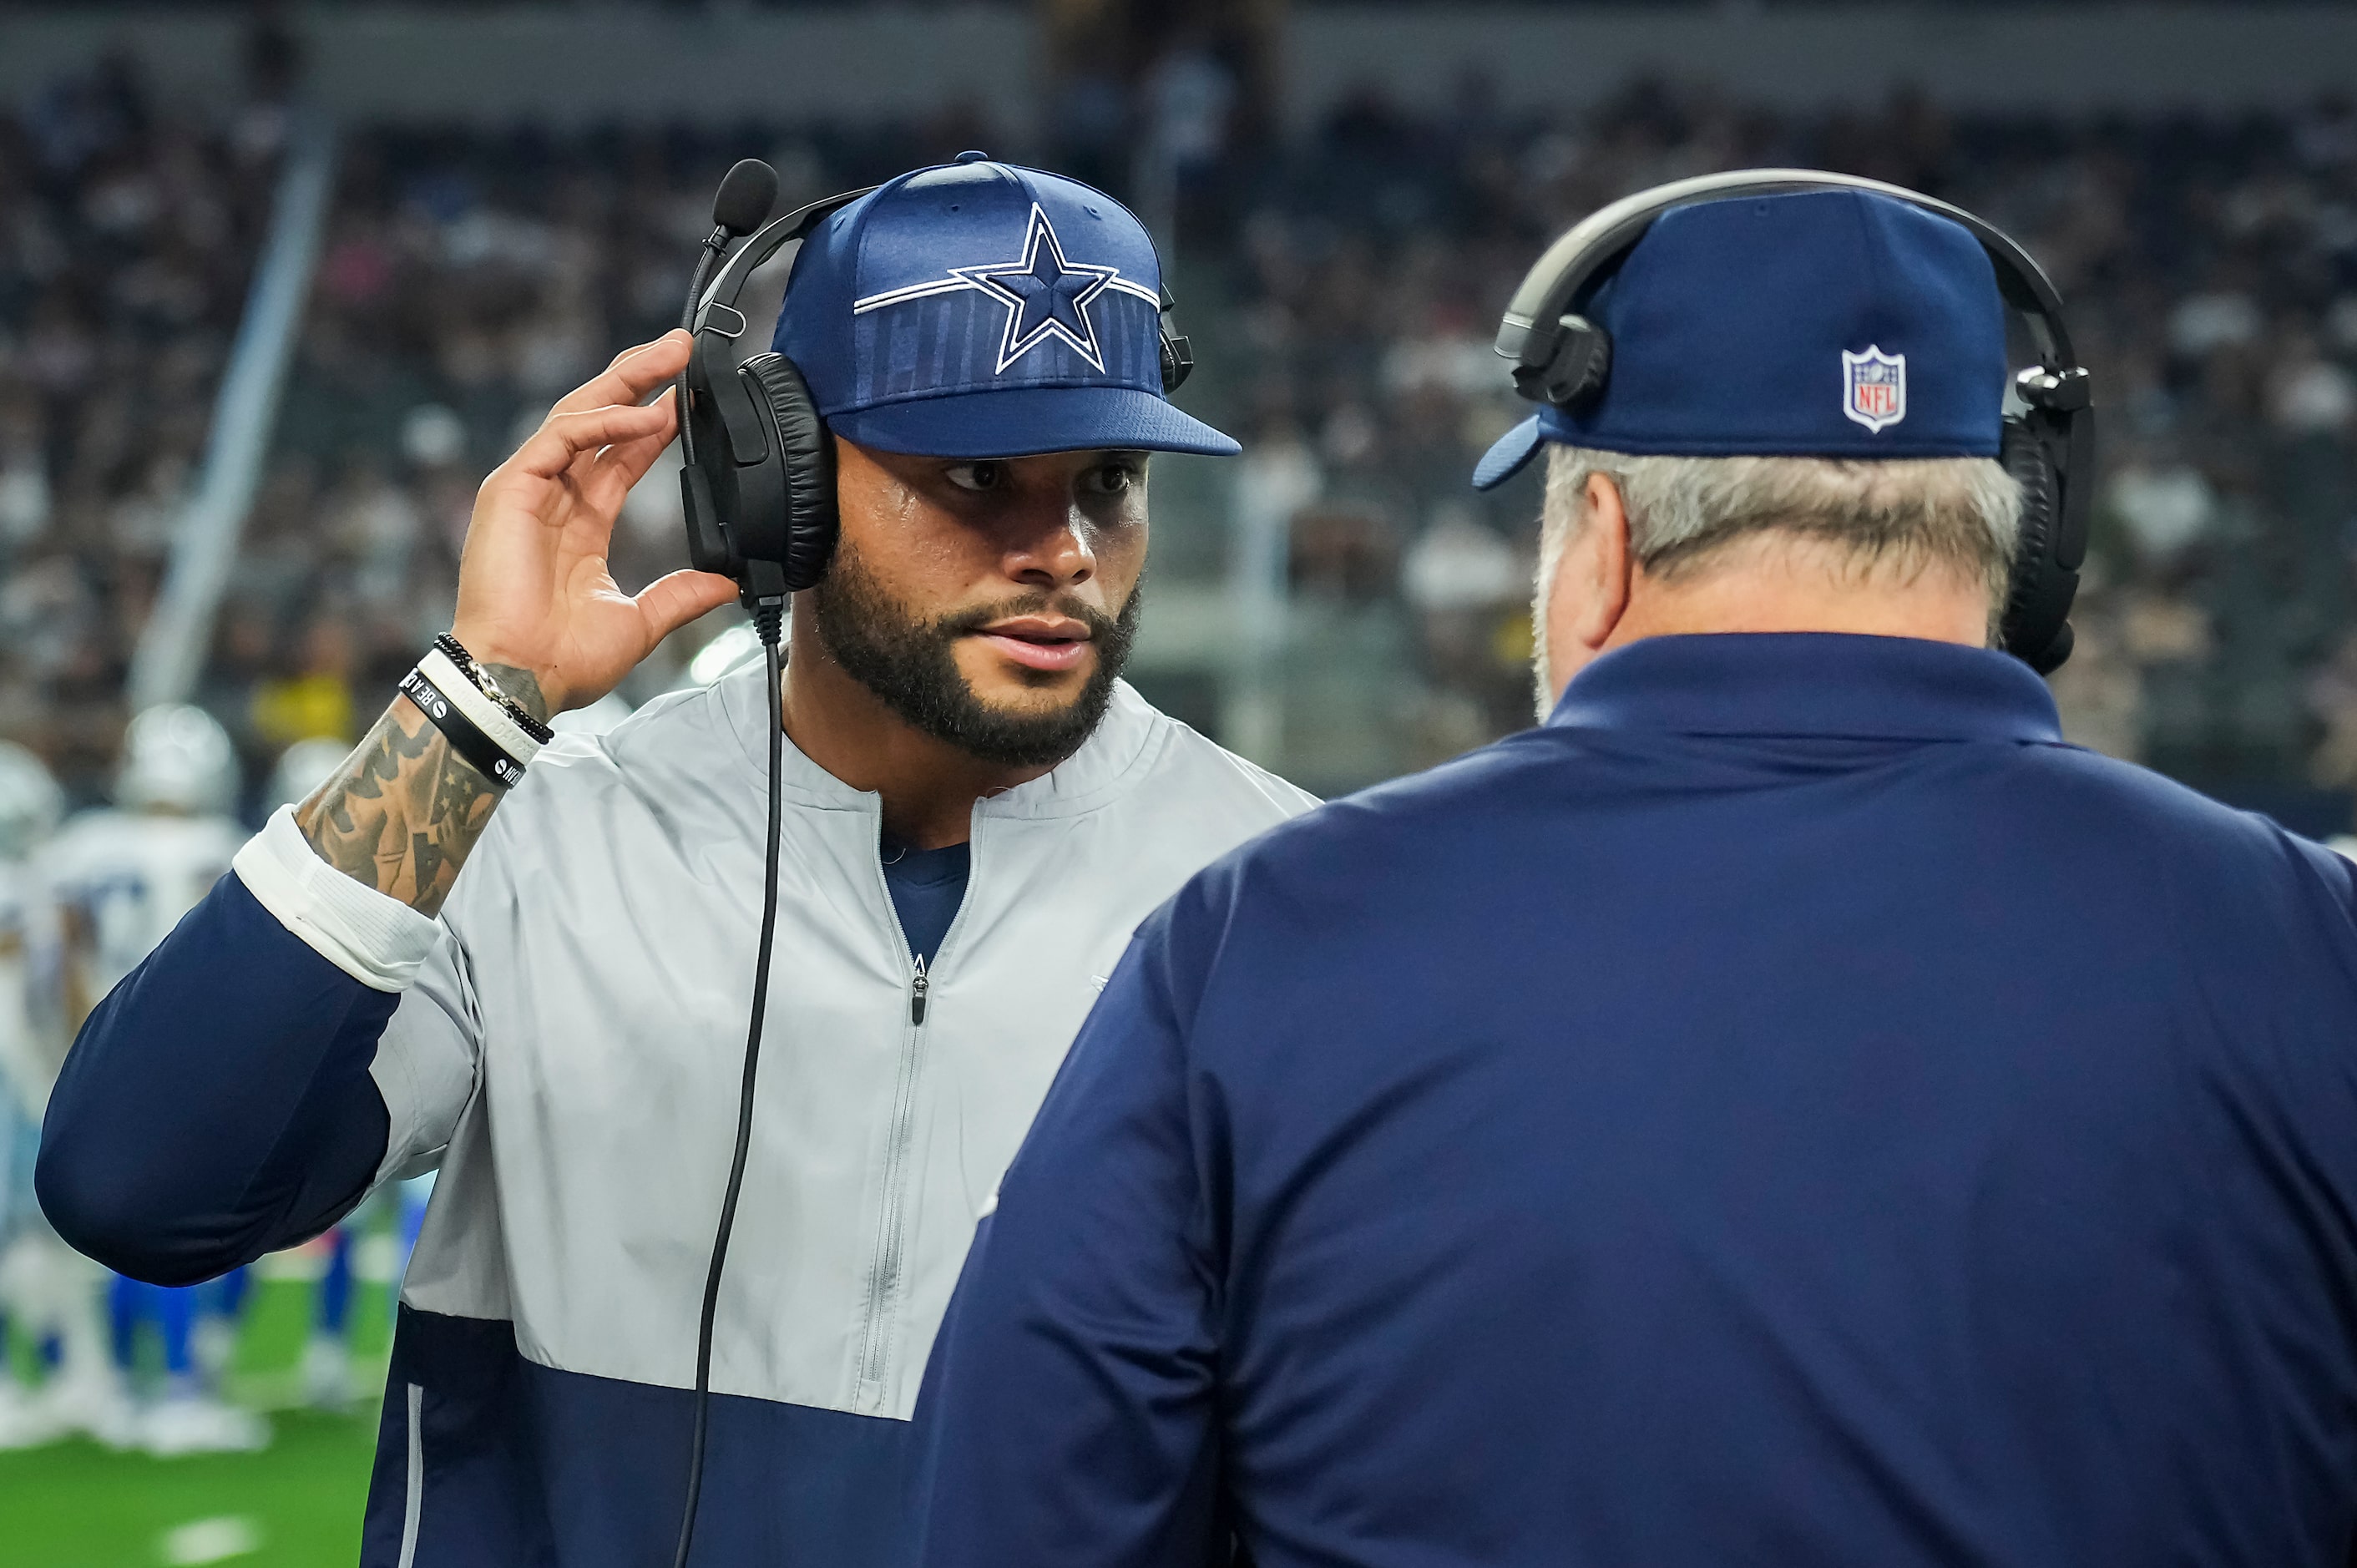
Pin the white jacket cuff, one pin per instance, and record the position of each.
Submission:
(378, 941)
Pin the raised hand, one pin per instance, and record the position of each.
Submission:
(542, 615)
(534, 594)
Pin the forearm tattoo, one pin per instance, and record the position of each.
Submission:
(402, 813)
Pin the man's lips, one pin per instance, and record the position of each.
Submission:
(1040, 642)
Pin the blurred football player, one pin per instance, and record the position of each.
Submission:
(123, 877)
(33, 1262)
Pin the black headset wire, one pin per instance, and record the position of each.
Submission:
(769, 622)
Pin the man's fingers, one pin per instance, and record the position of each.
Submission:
(625, 463)
(565, 436)
(634, 373)
(669, 603)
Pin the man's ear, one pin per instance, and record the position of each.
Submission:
(1590, 595)
(1606, 560)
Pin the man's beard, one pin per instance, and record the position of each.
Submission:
(912, 665)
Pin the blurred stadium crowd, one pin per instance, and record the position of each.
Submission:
(2212, 273)
(126, 236)
(1341, 293)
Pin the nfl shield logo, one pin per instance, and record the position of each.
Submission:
(1874, 387)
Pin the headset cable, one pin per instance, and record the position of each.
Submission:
(769, 623)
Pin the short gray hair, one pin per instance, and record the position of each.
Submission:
(1909, 513)
(1906, 514)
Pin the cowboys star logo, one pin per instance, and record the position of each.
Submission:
(1046, 295)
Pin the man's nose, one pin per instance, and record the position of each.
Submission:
(1056, 554)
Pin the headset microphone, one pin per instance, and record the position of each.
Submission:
(742, 205)
(746, 195)
(758, 482)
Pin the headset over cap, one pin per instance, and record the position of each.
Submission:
(973, 309)
(1795, 313)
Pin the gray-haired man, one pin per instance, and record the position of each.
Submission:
(1790, 1107)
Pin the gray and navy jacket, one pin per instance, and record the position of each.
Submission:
(563, 1044)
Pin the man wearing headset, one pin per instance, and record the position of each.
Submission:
(1789, 1108)
(976, 814)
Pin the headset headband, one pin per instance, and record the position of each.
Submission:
(1560, 358)
(715, 312)
(1529, 332)
(764, 243)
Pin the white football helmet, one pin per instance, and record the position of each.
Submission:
(177, 758)
(303, 768)
(31, 804)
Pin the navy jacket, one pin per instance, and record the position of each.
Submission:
(1790, 1108)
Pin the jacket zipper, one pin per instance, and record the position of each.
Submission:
(884, 1278)
(883, 1285)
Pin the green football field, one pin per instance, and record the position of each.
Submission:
(295, 1505)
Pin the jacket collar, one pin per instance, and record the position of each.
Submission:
(1132, 734)
(1810, 683)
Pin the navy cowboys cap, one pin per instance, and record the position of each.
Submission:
(978, 309)
(1813, 323)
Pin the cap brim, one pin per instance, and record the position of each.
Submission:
(1507, 454)
(1021, 421)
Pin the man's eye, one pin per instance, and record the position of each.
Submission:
(976, 477)
(1114, 478)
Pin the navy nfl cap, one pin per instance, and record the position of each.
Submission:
(977, 309)
(1811, 324)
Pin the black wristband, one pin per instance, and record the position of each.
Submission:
(468, 740)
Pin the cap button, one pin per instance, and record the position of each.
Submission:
(972, 157)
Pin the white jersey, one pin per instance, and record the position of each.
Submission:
(31, 1042)
(124, 878)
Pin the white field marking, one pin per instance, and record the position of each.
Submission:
(209, 1540)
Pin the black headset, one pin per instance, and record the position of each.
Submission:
(758, 483)
(2049, 447)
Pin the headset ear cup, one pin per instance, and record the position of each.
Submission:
(1582, 359)
(2035, 627)
(808, 453)
(1178, 361)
